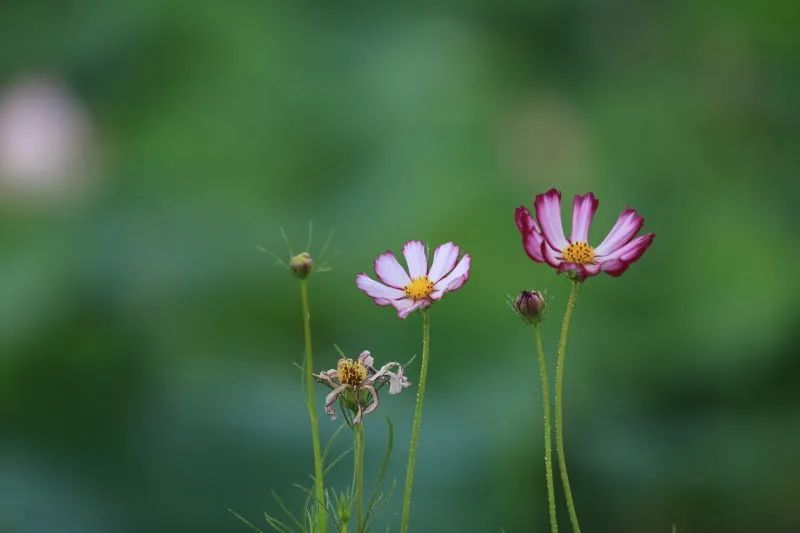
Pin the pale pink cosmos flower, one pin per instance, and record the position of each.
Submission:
(357, 382)
(418, 287)
(544, 240)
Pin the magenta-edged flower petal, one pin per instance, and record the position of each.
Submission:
(533, 243)
(444, 259)
(592, 269)
(627, 225)
(631, 251)
(532, 238)
(583, 209)
(390, 271)
(618, 262)
(414, 252)
(551, 257)
(581, 272)
(548, 212)
(455, 279)
(406, 306)
(380, 293)
(525, 222)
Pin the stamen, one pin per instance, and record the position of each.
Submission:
(419, 288)
(579, 253)
(351, 372)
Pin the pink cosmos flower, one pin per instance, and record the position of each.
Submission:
(544, 240)
(418, 287)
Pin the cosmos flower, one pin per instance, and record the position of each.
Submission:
(357, 382)
(544, 240)
(418, 287)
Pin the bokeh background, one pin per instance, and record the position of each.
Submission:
(147, 347)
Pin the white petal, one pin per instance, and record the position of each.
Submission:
(455, 279)
(382, 294)
(406, 306)
(444, 259)
(390, 271)
(414, 252)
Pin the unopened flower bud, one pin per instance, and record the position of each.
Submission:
(530, 306)
(301, 265)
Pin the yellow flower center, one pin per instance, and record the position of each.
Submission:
(419, 288)
(351, 372)
(579, 252)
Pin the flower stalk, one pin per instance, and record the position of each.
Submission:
(415, 427)
(559, 397)
(548, 446)
(308, 369)
(358, 474)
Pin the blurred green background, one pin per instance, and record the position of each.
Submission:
(146, 346)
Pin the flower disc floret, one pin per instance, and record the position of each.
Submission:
(579, 253)
(351, 372)
(419, 288)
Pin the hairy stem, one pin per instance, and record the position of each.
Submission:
(308, 368)
(358, 474)
(562, 354)
(415, 426)
(548, 446)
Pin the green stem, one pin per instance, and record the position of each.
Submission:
(562, 354)
(308, 367)
(412, 450)
(548, 446)
(358, 474)
(343, 529)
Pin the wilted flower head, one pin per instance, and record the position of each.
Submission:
(544, 240)
(530, 306)
(357, 382)
(418, 287)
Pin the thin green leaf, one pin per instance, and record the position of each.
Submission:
(310, 233)
(244, 520)
(330, 441)
(285, 509)
(327, 243)
(277, 525)
(286, 240)
(301, 487)
(275, 256)
(384, 499)
(383, 469)
(335, 461)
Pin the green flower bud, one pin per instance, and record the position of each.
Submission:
(301, 265)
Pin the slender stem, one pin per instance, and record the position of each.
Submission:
(308, 367)
(358, 474)
(562, 354)
(548, 446)
(343, 529)
(412, 450)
